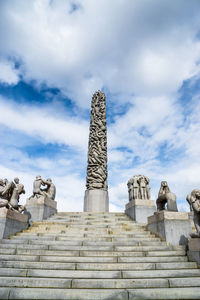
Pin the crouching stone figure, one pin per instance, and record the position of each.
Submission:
(165, 196)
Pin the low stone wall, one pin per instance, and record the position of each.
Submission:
(11, 222)
(174, 227)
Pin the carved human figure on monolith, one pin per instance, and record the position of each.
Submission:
(96, 195)
(165, 196)
(194, 200)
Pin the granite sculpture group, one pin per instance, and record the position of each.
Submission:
(10, 192)
(139, 189)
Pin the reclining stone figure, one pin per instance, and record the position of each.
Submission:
(194, 201)
(165, 196)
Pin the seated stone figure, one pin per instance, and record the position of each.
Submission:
(165, 196)
(194, 201)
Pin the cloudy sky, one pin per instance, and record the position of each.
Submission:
(145, 56)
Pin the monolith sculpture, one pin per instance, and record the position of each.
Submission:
(96, 194)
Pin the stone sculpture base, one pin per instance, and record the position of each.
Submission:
(174, 227)
(41, 208)
(96, 201)
(139, 210)
(194, 250)
(11, 222)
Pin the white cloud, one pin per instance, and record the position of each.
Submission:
(8, 73)
(143, 47)
(45, 124)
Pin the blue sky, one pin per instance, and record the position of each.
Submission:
(145, 56)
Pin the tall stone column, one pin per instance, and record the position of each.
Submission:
(96, 194)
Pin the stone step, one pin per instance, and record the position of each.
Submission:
(98, 283)
(99, 294)
(134, 242)
(35, 264)
(136, 283)
(129, 256)
(131, 253)
(125, 274)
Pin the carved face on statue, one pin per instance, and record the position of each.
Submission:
(196, 193)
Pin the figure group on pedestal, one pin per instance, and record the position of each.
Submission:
(10, 192)
(138, 188)
(48, 191)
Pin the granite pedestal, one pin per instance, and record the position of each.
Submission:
(174, 227)
(96, 201)
(194, 250)
(41, 208)
(139, 210)
(11, 222)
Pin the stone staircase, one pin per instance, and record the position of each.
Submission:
(94, 256)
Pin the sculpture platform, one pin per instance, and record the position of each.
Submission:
(194, 250)
(96, 201)
(40, 208)
(174, 227)
(139, 210)
(11, 222)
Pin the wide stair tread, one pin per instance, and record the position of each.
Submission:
(94, 256)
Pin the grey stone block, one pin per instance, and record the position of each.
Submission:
(118, 266)
(154, 259)
(40, 209)
(11, 222)
(118, 283)
(184, 282)
(173, 293)
(194, 250)
(4, 293)
(96, 201)
(37, 265)
(73, 274)
(139, 210)
(174, 227)
(70, 294)
(176, 265)
(35, 282)
(161, 273)
(13, 272)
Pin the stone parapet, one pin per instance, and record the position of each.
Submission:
(11, 222)
(139, 210)
(41, 208)
(194, 250)
(174, 227)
